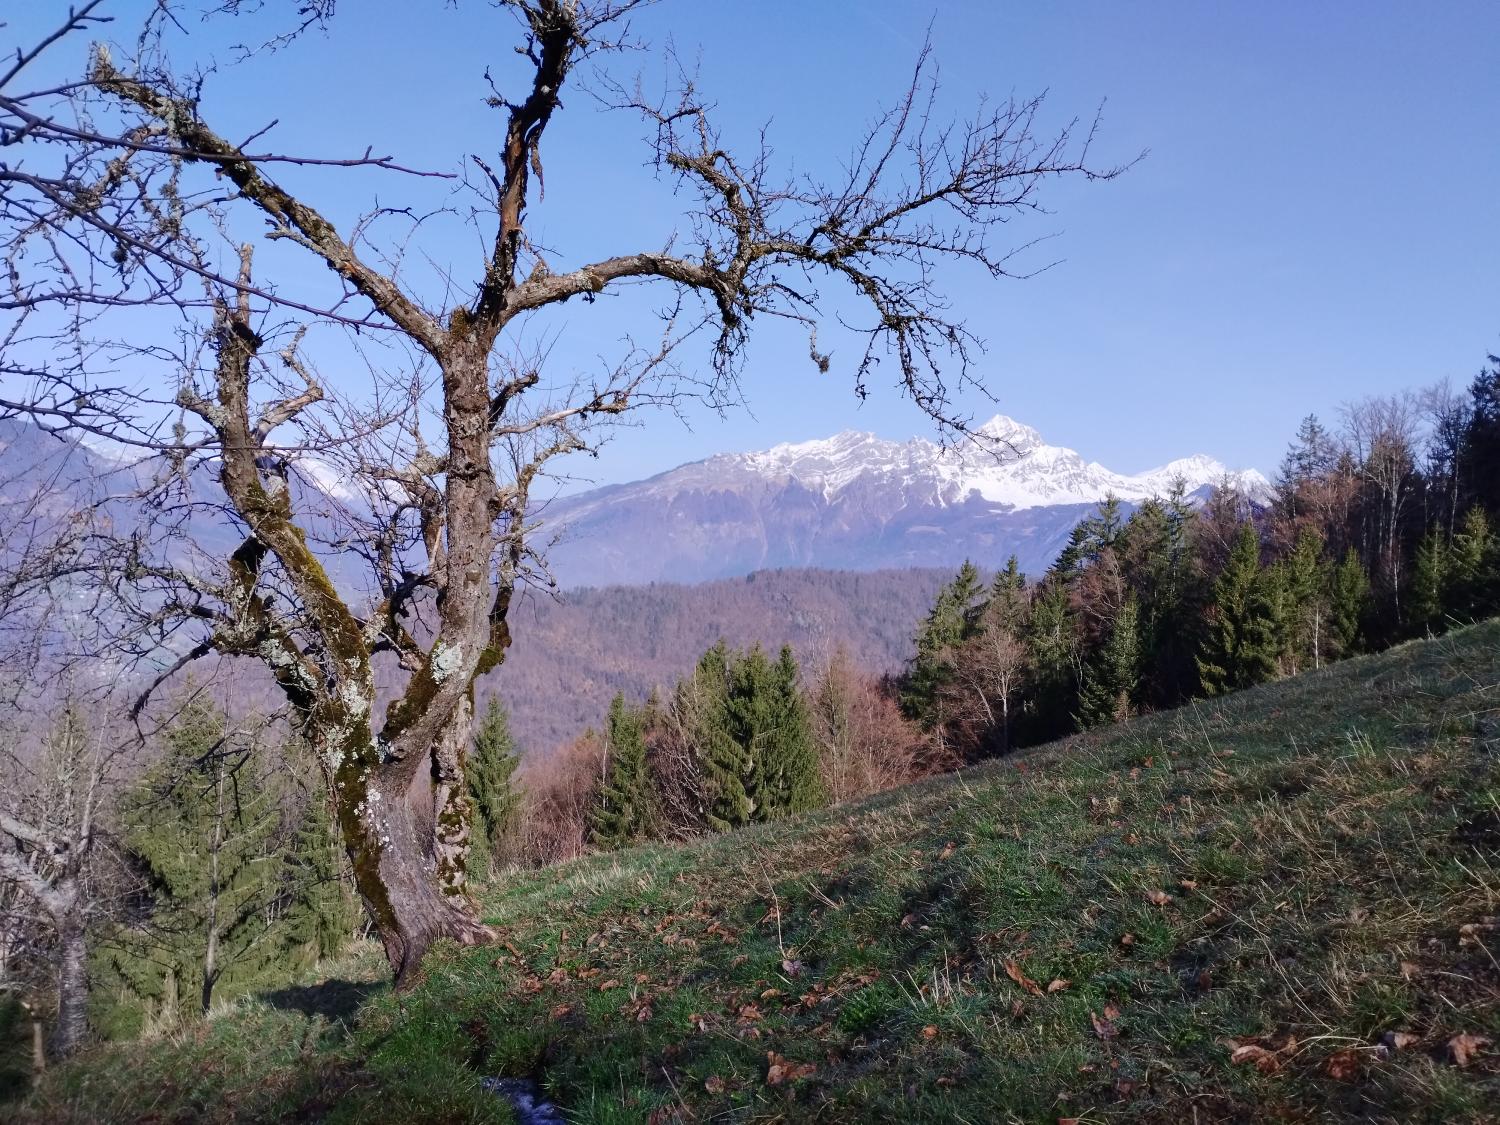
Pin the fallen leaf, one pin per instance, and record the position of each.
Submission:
(1013, 971)
(1343, 1066)
(1058, 985)
(1463, 1047)
(791, 968)
(1103, 1028)
(1267, 1062)
(948, 849)
(1410, 969)
(1127, 940)
(770, 994)
(1158, 898)
(1188, 884)
(607, 985)
(714, 1084)
(930, 1031)
(1400, 1040)
(779, 1069)
(1111, 1012)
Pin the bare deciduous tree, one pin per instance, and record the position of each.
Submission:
(126, 198)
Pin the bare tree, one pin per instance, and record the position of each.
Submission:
(49, 839)
(134, 199)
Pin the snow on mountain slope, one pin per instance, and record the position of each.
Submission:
(858, 501)
(1007, 463)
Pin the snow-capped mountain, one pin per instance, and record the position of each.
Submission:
(855, 501)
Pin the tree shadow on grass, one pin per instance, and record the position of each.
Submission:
(335, 1000)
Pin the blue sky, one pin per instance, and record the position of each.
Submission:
(1318, 217)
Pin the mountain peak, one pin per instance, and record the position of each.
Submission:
(1017, 436)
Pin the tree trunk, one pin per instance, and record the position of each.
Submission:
(407, 838)
(72, 990)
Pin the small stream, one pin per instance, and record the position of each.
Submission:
(525, 1097)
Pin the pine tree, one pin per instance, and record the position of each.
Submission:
(789, 757)
(1303, 615)
(204, 825)
(727, 765)
(1052, 650)
(491, 769)
(626, 810)
(1111, 677)
(953, 617)
(1348, 602)
(1424, 601)
(1473, 586)
(1240, 647)
(1008, 595)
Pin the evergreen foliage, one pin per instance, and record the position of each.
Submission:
(727, 762)
(490, 773)
(1112, 675)
(1239, 649)
(625, 811)
(953, 618)
(1348, 601)
(239, 890)
(1472, 587)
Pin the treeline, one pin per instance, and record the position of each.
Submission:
(744, 739)
(1379, 531)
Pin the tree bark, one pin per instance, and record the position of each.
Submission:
(72, 990)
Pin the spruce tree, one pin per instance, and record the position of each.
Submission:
(1052, 649)
(1303, 613)
(727, 765)
(1425, 599)
(1112, 675)
(204, 825)
(953, 618)
(1348, 602)
(626, 809)
(491, 769)
(1240, 647)
(1473, 586)
(789, 768)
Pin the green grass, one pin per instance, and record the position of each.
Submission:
(1324, 843)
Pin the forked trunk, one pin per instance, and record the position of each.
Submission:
(406, 832)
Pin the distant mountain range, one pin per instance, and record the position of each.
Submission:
(854, 502)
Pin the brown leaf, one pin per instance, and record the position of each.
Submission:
(1058, 985)
(1158, 898)
(948, 849)
(1410, 969)
(779, 1069)
(1463, 1047)
(792, 968)
(1127, 940)
(1343, 1066)
(930, 1031)
(1013, 971)
(714, 1084)
(1103, 1028)
(1267, 1062)
(607, 985)
(1111, 1012)
(1400, 1040)
(1188, 884)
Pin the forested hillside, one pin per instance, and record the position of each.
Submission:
(573, 654)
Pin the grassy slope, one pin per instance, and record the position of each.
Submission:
(1324, 841)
